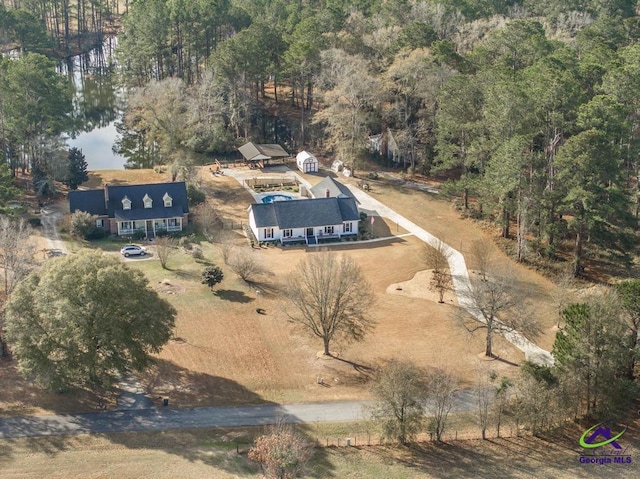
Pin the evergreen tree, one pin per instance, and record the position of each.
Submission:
(77, 169)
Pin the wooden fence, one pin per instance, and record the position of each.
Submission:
(232, 225)
(271, 182)
(363, 439)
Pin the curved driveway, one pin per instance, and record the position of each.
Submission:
(459, 273)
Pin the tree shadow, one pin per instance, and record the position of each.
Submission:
(180, 273)
(223, 445)
(265, 288)
(504, 360)
(219, 437)
(233, 295)
(361, 368)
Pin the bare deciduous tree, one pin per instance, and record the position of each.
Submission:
(209, 222)
(498, 306)
(245, 263)
(502, 397)
(16, 261)
(331, 298)
(484, 396)
(166, 247)
(482, 253)
(281, 453)
(400, 391)
(437, 259)
(562, 296)
(16, 252)
(441, 387)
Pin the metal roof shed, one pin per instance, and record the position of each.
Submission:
(307, 163)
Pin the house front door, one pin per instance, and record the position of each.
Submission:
(309, 231)
(150, 233)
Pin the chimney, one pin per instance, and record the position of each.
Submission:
(327, 193)
(106, 195)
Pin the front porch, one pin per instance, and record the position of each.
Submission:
(150, 228)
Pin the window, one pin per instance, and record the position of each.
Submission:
(99, 223)
(126, 225)
(173, 222)
(148, 202)
(168, 201)
(287, 233)
(268, 233)
(328, 230)
(347, 227)
(126, 203)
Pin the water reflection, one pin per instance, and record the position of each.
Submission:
(97, 105)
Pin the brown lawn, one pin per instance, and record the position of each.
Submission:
(212, 453)
(225, 352)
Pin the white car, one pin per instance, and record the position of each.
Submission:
(133, 250)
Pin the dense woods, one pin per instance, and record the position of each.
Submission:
(530, 108)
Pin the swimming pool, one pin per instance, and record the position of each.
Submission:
(276, 197)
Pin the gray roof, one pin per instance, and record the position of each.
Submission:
(253, 152)
(336, 189)
(157, 212)
(93, 201)
(305, 213)
(176, 190)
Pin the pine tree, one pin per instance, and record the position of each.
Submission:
(76, 169)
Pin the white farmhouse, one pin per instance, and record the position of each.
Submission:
(309, 221)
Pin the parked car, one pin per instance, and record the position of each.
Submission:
(133, 250)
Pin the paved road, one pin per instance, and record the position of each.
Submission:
(168, 418)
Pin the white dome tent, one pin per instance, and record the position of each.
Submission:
(307, 163)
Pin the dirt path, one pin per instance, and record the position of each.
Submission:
(49, 216)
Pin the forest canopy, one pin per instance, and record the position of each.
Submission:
(529, 107)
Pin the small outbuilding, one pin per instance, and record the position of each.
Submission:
(307, 163)
(257, 156)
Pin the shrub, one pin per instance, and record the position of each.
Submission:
(245, 264)
(195, 195)
(82, 224)
(96, 233)
(212, 275)
(35, 222)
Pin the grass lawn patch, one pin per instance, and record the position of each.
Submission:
(212, 453)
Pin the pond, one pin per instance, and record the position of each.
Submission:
(97, 105)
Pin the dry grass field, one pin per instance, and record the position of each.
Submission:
(212, 453)
(224, 352)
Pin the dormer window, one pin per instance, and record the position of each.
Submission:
(148, 202)
(126, 203)
(168, 201)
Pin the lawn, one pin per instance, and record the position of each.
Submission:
(212, 453)
(224, 352)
